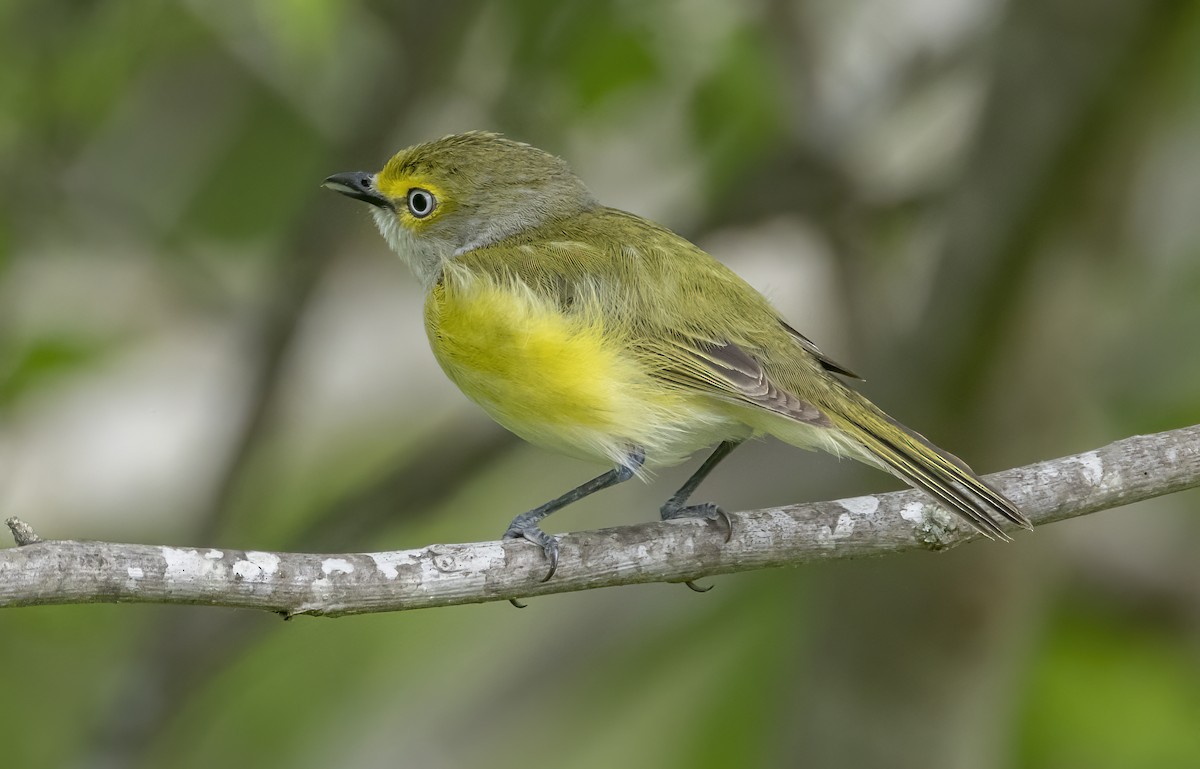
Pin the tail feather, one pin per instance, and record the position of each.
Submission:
(944, 476)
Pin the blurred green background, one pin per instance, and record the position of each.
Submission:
(987, 208)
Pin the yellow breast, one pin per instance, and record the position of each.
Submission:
(561, 378)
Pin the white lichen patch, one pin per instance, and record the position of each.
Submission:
(1092, 467)
(325, 587)
(247, 572)
(913, 512)
(256, 566)
(185, 564)
(388, 563)
(864, 506)
(214, 555)
(268, 562)
(336, 566)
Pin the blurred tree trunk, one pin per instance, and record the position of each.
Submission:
(916, 660)
(180, 650)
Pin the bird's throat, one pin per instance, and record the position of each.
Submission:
(424, 256)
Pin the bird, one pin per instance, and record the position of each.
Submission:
(602, 335)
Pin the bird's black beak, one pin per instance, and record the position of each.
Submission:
(359, 185)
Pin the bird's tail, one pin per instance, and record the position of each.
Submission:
(911, 456)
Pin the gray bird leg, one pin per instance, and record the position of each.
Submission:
(525, 525)
(677, 507)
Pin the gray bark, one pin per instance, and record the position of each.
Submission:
(41, 572)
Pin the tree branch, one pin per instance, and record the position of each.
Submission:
(64, 572)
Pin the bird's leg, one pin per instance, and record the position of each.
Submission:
(525, 525)
(677, 507)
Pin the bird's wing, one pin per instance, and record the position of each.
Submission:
(688, 318)
(727, 370)
(829, 364)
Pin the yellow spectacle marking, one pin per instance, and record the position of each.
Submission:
(397, 187)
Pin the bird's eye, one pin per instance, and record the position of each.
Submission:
(421, 202)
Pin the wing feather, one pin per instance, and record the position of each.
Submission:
(732, 371)
(829, 364)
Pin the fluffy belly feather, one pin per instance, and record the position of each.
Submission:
(564, 380)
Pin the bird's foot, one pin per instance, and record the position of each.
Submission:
(523, 528)
(709, 511)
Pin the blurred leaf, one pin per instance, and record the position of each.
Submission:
(71, 74)
(1108, 693)
(304, 29)
(1157, 336)
(273, 164)
(42, 362)
(736, 724)
(604, 48)
(52, 689)
(735, 112)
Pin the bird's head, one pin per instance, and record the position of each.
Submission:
(435, 200)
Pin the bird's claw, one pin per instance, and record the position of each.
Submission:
(540, 538)
(709, 511)
(549, 545)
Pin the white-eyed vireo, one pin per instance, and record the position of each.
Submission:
(600, 334)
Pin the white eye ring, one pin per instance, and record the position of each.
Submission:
(421, 202)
